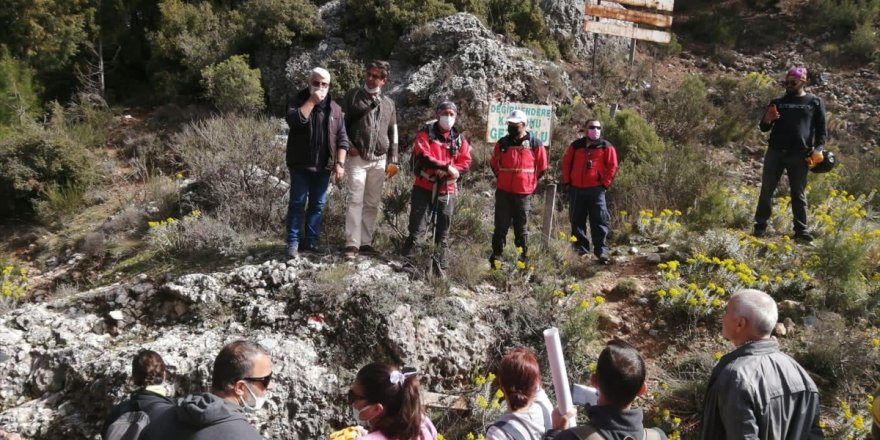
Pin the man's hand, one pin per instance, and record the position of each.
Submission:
(453, 172)
(338, 172)
(560, 421)
(771, 114)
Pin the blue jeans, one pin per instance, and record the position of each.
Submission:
(312, 185)
(584, 204)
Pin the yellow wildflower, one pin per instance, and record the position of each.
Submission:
(718, 355)
(599, 300)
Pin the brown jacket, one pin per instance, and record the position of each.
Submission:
(370, 124)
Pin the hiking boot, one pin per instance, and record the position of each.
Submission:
(407, 249)
(292, 251)
(312, 249)
(604, 258)
(803, 237)
(350, 252)
(368, 249)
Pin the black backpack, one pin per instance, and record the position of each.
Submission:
(588, 432)
(455, 141)
(130, 425)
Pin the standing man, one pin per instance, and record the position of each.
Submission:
(371, 123)
(588, 168)
(756, 391)
(796, 122)
(440, 154)
(240, 382)
(316, 150)
(518, 161)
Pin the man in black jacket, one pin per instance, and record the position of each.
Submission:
(316, 148)
(796, 122)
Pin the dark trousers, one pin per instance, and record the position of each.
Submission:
(589, 204)
(306, 187)
(775, 162)
(509, 208)
(420, 214)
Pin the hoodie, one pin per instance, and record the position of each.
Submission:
(202, 417)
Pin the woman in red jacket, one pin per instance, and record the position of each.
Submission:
(588, 168)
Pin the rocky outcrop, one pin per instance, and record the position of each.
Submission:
(64, 363)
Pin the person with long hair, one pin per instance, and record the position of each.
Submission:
(148, 374)
(388, 403)
(528, 407)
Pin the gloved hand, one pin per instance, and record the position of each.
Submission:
(815, 158)
(391, 169)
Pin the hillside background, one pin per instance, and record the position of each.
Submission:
(143, 193)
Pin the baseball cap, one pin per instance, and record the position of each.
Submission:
(517, 117)
(447, 105)
(797, 72)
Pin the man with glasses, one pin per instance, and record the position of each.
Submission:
(316, 148)
(240, 382)
(796, 122)
(588, 168)
(371, 124)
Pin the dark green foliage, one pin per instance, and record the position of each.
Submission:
(632, 135)
(36, 160)
(740, 102)
(383, 21)
(714, 209)
(233, 86)
(523, 20)
(854, 25)
(18, 92)
(718, 26)
(347, 73)
(46, 34)
(280, 22)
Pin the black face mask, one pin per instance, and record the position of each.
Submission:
(513, 130)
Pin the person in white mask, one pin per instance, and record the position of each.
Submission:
(317, 145)
(589, 165)
(371, 124)
(241, 381)
(440, 154)
(387, 402)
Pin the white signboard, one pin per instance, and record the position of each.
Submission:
(540, 117)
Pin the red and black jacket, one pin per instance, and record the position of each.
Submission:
(518, 163)
(588, 164)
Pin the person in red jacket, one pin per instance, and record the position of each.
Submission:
(588, 168)
(440, 154)
(518, 161)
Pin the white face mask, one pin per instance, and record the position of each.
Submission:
(372, 91)
(356, 415)
(322, 91)
(446, 122)
(258, 402)
(594, 133)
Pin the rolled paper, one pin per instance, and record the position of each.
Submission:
(557, 372)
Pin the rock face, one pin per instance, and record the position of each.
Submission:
(565, 19)
(61, 369)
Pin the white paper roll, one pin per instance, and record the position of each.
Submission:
(557, 371)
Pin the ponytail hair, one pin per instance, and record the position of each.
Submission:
(399, 394)
(520, 377)
(147, 368)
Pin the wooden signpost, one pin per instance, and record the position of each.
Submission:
(650, 21)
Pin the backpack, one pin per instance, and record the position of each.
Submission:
(130, 425)
(588, 432)
(513, 433)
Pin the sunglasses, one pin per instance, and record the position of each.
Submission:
(320, 84)
(593, 127)
(354, 397)
(265, 380)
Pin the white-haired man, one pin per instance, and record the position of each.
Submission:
(756, 391)
(316, 148)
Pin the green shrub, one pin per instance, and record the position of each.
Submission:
(18, 92)
(844, 16)
(633, 137)
(719, 27)
(35, 161)
(13, 286)
(347, 73)
(195, 235)
(741, 102)
(719, 207)
(233, 86)
(681, 115)
(238, 165)
(671, 49)
(523, 21)
(60, 202)
(86, 120)
(861, 175)
(280, 22)
(384, 21)
(864, 43)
